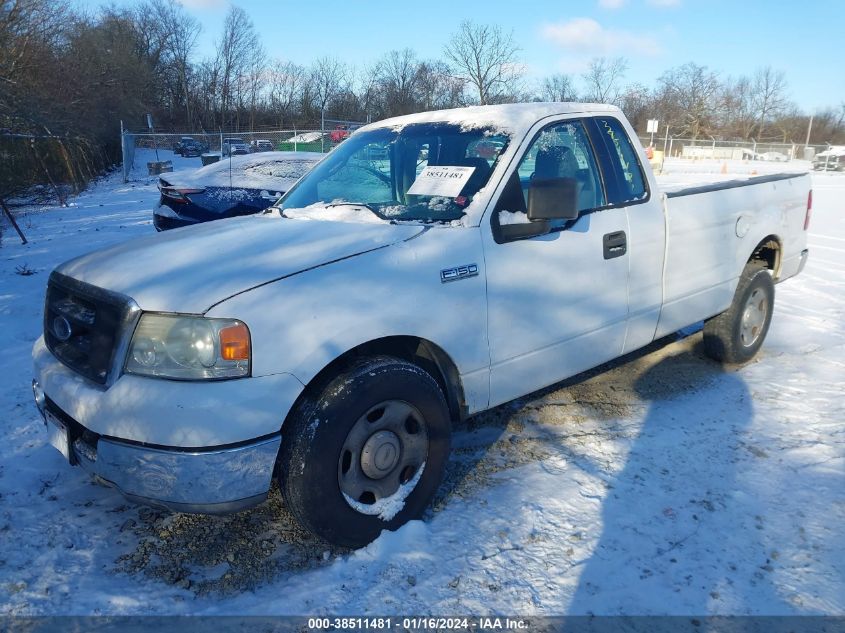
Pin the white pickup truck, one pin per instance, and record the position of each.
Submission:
(430, 267)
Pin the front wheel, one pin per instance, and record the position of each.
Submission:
(735, 336)
(368, 453)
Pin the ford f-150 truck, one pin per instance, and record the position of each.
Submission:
(430, 267)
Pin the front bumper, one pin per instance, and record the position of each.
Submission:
(187, 415)
(219, 480)
(204, 446)
(165, 218)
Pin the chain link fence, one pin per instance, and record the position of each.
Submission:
(209, 147)
(56, 165)
(701, 148)
(43, 168)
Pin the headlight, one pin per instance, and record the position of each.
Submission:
(189, 348)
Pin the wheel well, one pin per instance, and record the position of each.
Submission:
(768, 251)
(413, 349)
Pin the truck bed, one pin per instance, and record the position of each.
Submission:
(676, 190)
(714, 228)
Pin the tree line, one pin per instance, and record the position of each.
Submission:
(67, 72)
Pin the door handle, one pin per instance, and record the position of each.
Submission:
(615, 244)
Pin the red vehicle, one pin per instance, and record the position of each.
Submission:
(341, 132)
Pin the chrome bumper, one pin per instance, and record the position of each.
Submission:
(217, 480)
(804, 255)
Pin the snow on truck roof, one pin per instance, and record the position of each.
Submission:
(510, 117)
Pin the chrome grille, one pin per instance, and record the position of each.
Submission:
(83, 325)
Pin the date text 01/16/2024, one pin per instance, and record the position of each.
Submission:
(418, 623)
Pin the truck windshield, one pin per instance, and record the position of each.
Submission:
(425, 172)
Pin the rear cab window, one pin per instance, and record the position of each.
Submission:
(626, 179)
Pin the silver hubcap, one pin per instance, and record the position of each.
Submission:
(753, 318)
(384, 449)
(380, 454)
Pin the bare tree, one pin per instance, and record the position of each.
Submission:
(637, 102)
(368, 90)
(603, 79)
(203, 91)
(234, 54)
(285, 88)
(558, 87)
(168, 35)
(689, 99)
(738, 108)
(396, 75)
(790, 124)
(768, 96)
(329, 77)
(182, 33)
(249, 83)
(26, 26)
(30, 33)
(437, 87)
(829, 126)
(487, 59)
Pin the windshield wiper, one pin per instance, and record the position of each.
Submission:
(366, 206)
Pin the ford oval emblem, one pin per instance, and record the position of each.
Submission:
(61, 328)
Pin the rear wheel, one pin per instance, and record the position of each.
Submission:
(368, 453)
(737, 334)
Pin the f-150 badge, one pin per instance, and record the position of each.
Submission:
(458, 272)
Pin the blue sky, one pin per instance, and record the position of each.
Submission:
(730, 36)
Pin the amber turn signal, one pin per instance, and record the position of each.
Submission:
(234, 342)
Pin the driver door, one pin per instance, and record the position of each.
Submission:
(557, 303)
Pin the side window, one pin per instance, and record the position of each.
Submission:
(632, 186)
(561, 150)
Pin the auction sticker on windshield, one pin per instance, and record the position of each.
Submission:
(441, 180)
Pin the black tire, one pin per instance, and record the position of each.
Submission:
(732, 337)
(316, 440)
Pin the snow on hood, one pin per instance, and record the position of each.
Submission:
(338, 211)
(189, 270)
(514, 118)
(273, 171)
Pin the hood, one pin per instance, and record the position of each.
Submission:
(273, 171)
(189, 270)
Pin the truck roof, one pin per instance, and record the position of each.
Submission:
(511, 117)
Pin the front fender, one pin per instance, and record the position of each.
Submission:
(302, 323)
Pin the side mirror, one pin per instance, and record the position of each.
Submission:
(511, 232)
(553, 199)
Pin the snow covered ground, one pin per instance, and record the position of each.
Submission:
(660, 484)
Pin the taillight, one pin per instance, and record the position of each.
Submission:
(809, 210)
(179, 194)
